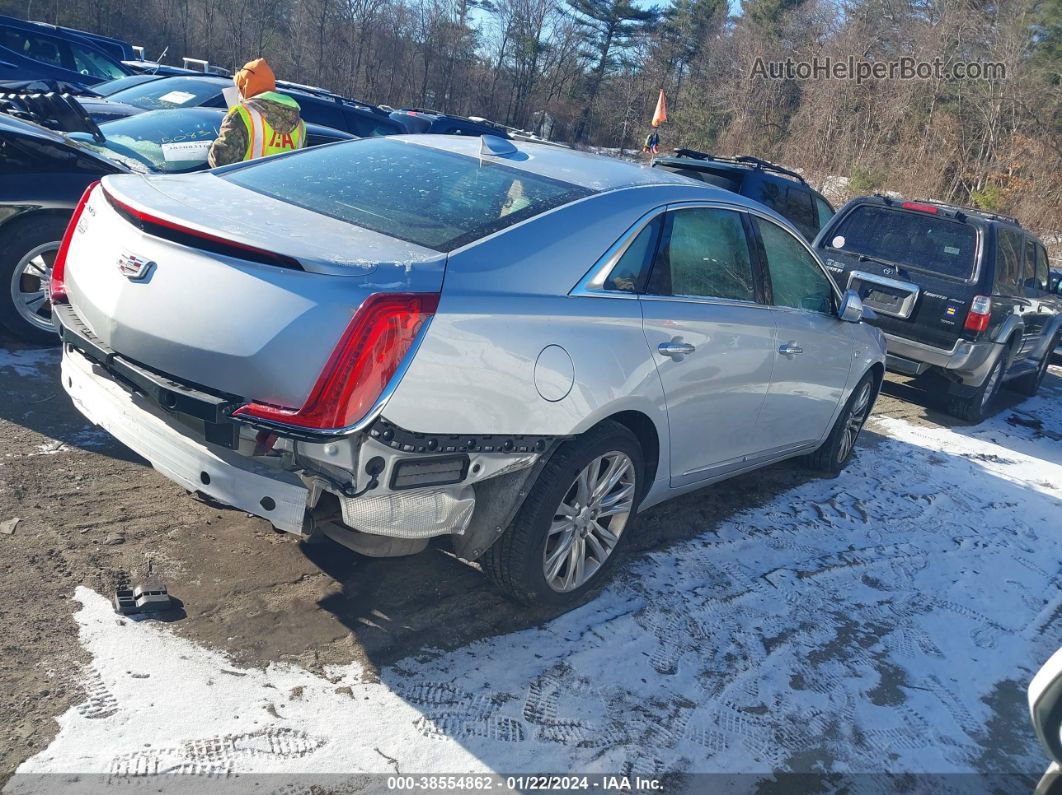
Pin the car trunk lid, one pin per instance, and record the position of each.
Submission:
(177, 275)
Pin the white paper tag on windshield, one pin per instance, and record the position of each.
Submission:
(177, 97)
(950, 250)
(232, 96)
(186, 150)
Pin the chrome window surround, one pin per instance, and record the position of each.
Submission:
(593, 283)
(911, 288)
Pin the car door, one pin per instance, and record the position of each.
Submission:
(712, 339)
(813, 357)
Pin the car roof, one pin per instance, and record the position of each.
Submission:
(584, 169)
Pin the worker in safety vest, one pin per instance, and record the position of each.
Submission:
(263, 123)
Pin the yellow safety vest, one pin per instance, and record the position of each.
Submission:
(263, 140)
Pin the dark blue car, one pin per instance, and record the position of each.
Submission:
(35, 51)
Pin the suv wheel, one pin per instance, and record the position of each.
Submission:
(1030, 384)
(836, 451)
(974, 408)
(566, 536)
(27, 251)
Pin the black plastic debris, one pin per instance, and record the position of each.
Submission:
(146, 598)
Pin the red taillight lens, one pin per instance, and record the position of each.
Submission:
(57, 286)
(922, 208)
(980, 313)
(361, 365)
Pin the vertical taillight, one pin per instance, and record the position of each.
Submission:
(980, 313)
(362, 364)
(57, 285)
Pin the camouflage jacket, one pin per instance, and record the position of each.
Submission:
(280, 112)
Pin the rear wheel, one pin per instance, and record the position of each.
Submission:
(1030, 384)
(566, 535)
(974, 408)
(836, 451)
(27, 251)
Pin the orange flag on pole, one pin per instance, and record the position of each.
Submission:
(660, 114)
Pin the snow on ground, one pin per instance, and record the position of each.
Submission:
(886, 620)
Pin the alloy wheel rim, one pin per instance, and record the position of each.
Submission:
(589, 521)
(854, 423)
(30, 282)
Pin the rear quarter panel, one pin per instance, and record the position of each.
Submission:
(505, 300)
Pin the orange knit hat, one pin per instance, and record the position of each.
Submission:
(255, 78)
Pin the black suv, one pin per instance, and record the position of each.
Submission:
(782, 190)
(956, 290)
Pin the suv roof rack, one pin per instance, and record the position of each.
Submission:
(958, 208)
(743, 160)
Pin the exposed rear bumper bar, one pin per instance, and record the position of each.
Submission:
(969, 362)
(279, 497)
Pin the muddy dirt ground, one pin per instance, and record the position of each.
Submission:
(92, 513)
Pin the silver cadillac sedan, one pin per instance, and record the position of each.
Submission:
(516, 346)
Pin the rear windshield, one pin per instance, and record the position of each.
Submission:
(439, 200)
(913, 238)
(170, 92)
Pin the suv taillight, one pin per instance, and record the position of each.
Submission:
(980, 312)
(362, 364)
(57, 285)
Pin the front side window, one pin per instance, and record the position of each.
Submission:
(433, 198)
(704, 254)
(797, 281)
(1043, 276)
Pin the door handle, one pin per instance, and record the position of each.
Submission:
(790, 349)
(675, 349)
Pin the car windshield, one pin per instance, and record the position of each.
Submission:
(170, 92)
(121, 84)
(169, 142)
(412, 192)
(917, 239)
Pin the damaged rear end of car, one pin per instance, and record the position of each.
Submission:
(245, 341)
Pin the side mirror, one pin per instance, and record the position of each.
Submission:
(851, 309)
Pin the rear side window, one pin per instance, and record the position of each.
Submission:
(627, 273)
(704, 254)
(367, 125)
(910, 238)
(793, 204)
(1008, 261)
(314, 111)
(440, 200)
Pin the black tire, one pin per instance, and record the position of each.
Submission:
(1030, 384)
(17, 242)
(835, 453)
(516, 561)
(975, 407)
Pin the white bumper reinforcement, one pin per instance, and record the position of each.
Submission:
(228, 477)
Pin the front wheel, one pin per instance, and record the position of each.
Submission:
(566, 535)
(836, 451)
